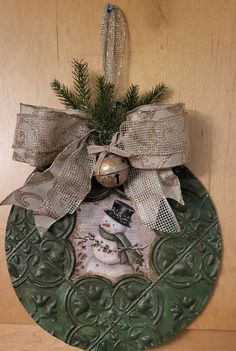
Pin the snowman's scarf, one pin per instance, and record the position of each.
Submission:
(125, 252)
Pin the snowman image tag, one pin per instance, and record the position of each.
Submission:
(113, 252)
(110, 240)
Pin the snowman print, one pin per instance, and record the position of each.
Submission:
(113, 253)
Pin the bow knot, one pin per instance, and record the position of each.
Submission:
(153, 137)
(103, 150)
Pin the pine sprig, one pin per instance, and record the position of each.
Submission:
(65, 95)
(154, 95)
(131, 99)
(80, 74)
(105, 115)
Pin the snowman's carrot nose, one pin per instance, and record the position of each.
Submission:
(106, 225)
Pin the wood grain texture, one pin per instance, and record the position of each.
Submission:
(188, 44)
(31, 337)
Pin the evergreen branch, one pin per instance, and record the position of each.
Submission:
(65, 95)
(131, 97)
(80, 74)
(102, 110)
(154, 95)
(105, 114)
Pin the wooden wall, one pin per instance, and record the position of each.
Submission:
(188, 44)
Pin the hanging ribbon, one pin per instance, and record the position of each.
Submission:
(112, 36)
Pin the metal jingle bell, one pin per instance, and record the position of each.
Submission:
(113, 171)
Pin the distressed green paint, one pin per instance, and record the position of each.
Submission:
(135, 313)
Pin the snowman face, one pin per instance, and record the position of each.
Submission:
(111, 226)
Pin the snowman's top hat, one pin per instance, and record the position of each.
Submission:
(121, 212)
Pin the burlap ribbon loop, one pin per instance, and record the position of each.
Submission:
(153, 137)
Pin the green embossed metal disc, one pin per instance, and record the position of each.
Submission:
(133, 294)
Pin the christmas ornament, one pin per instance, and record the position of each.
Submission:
(104, 266)
(113, 171)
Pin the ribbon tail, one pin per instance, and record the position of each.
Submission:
(145, 191)
(58, 190)
(170, 185)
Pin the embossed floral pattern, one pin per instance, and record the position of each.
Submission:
(136, 312)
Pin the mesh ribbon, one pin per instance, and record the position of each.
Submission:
(154, 137)
(144, 188)
(41, 135)
(113, 33)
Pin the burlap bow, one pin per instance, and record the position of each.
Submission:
(154, 137)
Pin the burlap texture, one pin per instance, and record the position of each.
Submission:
(154, 137)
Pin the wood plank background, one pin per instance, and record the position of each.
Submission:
(188, 44)
(17, 337)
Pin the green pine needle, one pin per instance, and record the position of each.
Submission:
(65, 95)
(105, 117)
(80, 74)
(105, 114)
(131, 97)
(154, 95)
